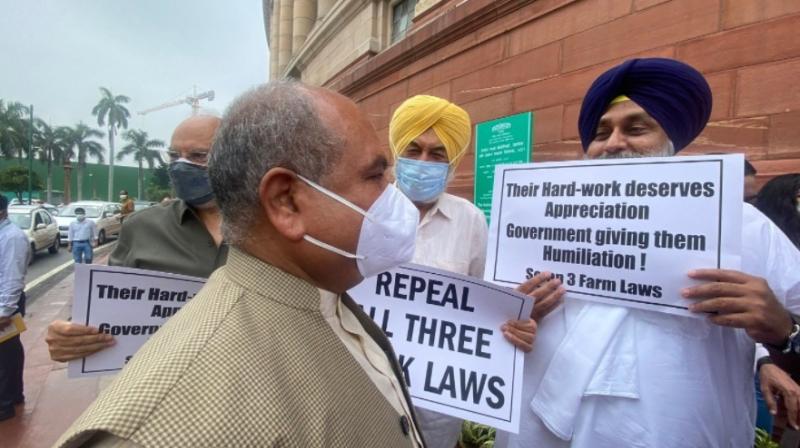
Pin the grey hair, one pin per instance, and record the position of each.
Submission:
(273, 125)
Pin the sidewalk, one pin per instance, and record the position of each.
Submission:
(52, 401)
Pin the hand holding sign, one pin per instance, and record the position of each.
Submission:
(446, 330)
(546, 291)
(740, 300)
(621, 232)
(69, 340)
(521, 333)
(119, 307)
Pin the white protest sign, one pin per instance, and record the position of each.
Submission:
(130, 304)
(623, 232)
(445, 330)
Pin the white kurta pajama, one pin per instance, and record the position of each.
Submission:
(451, 236)
(604, 376)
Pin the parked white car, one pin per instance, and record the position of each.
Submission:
(106, 216)
(39, 226)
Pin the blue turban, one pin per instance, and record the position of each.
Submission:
(673, 93)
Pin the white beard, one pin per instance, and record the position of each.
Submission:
(665, 151)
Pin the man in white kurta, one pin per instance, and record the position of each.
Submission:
(428, 137)
(606, 376)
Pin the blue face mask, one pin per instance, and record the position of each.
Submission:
(420, 181)
(191, 182)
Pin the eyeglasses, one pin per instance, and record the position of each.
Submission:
(198, 156)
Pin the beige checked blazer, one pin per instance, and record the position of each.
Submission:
(249, 362)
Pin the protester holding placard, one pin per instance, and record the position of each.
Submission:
(429, 137)
(608, 376)
(180, 237)
(14, 256)
(271, 351)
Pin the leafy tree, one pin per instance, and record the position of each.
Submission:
(159, 185)
(111, 111)
(49, 146)
(15, 178)
(14, 128)
(80, 142)
(143, 149)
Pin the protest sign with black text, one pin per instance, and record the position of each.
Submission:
(129, 304)
(624, 232)
(445, 330)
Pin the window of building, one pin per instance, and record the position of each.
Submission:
(402, 14)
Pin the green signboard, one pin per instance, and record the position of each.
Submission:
(504, 140)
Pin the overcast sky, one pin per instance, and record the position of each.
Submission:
(55, 54)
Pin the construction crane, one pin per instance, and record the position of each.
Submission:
(192, 100)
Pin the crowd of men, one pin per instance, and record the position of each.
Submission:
(289, 200)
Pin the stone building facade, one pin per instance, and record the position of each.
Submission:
(500, 57)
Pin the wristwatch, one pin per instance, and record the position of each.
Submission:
(792, 344)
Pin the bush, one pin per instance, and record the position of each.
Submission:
(763, 440)
(475, 435)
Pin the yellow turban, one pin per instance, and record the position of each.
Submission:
(422, 112)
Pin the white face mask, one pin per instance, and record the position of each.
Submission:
(388, 231)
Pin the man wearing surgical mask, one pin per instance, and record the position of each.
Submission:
(271, 351)
(183, 236)
(126, 204)
(429, 137)
(81, 237)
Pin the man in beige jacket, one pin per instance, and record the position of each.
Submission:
(271, 352)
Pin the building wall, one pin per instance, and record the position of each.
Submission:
(343, 33)
(353, 40)
(499, 57)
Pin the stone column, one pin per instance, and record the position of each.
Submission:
(285, 35)
(323, 8)
(274, 23)
(305, 14)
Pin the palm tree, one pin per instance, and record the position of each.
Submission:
(111, 110)
(142, 148)
(67, 154)
(50, 144)
(13, 130)
(81, 145)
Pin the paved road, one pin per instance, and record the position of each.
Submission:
(44, 261)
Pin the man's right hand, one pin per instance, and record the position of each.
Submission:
(548, 292)
(67, 340)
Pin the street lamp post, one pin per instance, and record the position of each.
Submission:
(94, 190)
(67, 182)
(30, 158)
